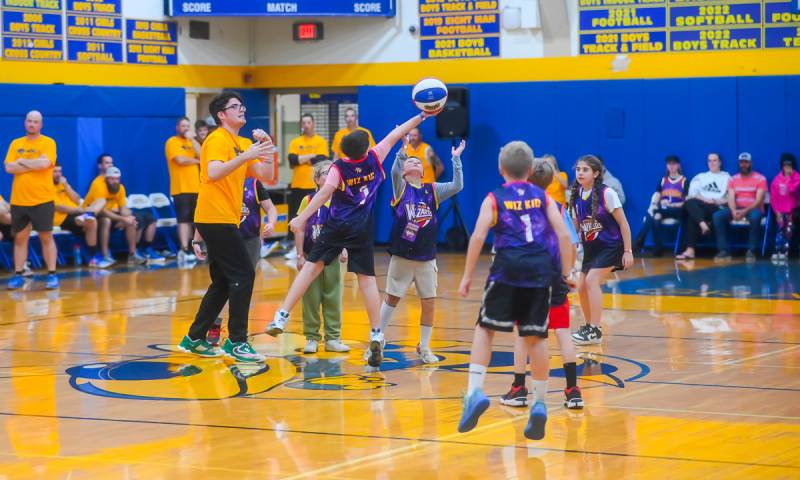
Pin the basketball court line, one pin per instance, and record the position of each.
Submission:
(713, 385)
(762, 355)
(423, 441)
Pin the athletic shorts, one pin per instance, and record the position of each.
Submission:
(505, 305)
(144, 217)
(403, 271)
(40, 216)
(71, 226)
(185, 204)
(601, 257)
(359, 245)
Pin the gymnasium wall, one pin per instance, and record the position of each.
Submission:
(632, 124)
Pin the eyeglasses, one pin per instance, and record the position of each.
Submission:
(237, 106)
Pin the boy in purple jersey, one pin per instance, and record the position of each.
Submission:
(351, 187)
(533, 248)
(415, 230)
(606, 239)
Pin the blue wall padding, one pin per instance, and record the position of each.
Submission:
(632, 124)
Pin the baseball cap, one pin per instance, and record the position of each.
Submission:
(673, 159)
(745, 156)
(113, 172)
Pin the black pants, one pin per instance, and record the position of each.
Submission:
(296, 195)
(697, 211)
(651, 224)
(232, 276)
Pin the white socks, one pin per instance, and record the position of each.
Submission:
(476, 375)
(386, 315)
(425, 335)
(539, 390)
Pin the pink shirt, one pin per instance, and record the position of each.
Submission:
(381, 150)
(785, 192)
(745, 188)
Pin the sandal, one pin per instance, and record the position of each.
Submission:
(682, 256)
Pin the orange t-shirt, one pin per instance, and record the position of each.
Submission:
(34, 187)
(220, 201)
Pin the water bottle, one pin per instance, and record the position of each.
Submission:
(76, 255)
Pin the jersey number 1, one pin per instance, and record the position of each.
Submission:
(526, 219)
(365, 191)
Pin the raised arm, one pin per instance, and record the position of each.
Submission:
(447, 190)
(482, 226)
(323, 195)
(385, 146)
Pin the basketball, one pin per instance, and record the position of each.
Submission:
(430, 95)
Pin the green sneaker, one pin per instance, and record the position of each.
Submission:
(197, 347)
(241, 351)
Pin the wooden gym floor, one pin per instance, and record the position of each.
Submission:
(698, 376)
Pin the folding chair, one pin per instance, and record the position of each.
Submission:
(166, 218)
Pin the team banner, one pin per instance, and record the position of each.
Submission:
(459, 29)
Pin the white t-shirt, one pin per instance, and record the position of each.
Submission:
(611, 198)
(710, 185)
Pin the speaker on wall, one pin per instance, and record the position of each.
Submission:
(453, 121)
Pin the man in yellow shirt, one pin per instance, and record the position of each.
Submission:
(5, 219)
(225, 160)
(30, 159)
(351, 120)
(183, 161)
(70, 216)
(432, 167)
(304, 151)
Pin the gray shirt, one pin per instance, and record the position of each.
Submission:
(443, 190)
(613, 183)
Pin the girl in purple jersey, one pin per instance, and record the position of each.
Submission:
(667, 203)
(606, 239)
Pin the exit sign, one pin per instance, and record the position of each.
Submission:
(307, 31)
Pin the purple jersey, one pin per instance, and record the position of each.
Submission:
(672, 192)
(415, 227)
(526, 244)
(314, 226)
(600, 231)
(352, 203)
(254, 194)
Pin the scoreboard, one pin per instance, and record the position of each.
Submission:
(641, 26)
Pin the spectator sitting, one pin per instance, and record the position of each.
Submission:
(785, 202)
(707, 191)
(667, 203)
(746, 193)
(5, 219)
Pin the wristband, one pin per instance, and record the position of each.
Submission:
(628, 251)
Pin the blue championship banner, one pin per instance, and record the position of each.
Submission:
(296, 8)
(636, 26)
(94, 52)
(94, 31)
(95, 7)
(459, 29)
(151, 42)
(33, 30)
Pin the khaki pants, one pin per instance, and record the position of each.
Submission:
(326, 290)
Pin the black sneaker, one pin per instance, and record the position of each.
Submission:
(587, 335)
(722, 256)
(516, 397)
(572, 398)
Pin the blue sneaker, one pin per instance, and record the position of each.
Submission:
(52, 281)
(16, 282)
(136, 258)
(474, 406)
(153, 257)
(535, 428)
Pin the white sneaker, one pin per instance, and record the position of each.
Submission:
(336, 345)
(426, 355)
(311, 346)
(278, 324)
(292, 255)
(266, 250)
(376, 344)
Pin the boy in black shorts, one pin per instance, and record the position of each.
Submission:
(533, 246)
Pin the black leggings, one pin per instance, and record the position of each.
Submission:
(697, 211)
(232, 276)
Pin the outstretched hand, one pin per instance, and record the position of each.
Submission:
(457, 151)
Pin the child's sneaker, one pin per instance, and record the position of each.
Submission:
(375, 349)
(516, 397)
(215, 332)
(535, 428)
(474, 406)
(278, 324)
(573, 398)
(426, 355)
(587, 335)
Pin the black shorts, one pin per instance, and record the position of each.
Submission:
(505, 305)
(601, 257)
(558, 292)
(185, 203)
(359, 245)
(70, 225)
(144, 217)
(40, 216)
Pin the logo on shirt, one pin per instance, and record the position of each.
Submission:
(590, 228)
(421, 213)
(358, 169)
(712, 188)
(245, 213)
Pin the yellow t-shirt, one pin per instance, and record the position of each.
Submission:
(36, 187)
(303, 175)
(220, 201)
(337, 140)
(556, 191)
(62, 198)
(182, 178)
(421, 152)
(98, 189)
